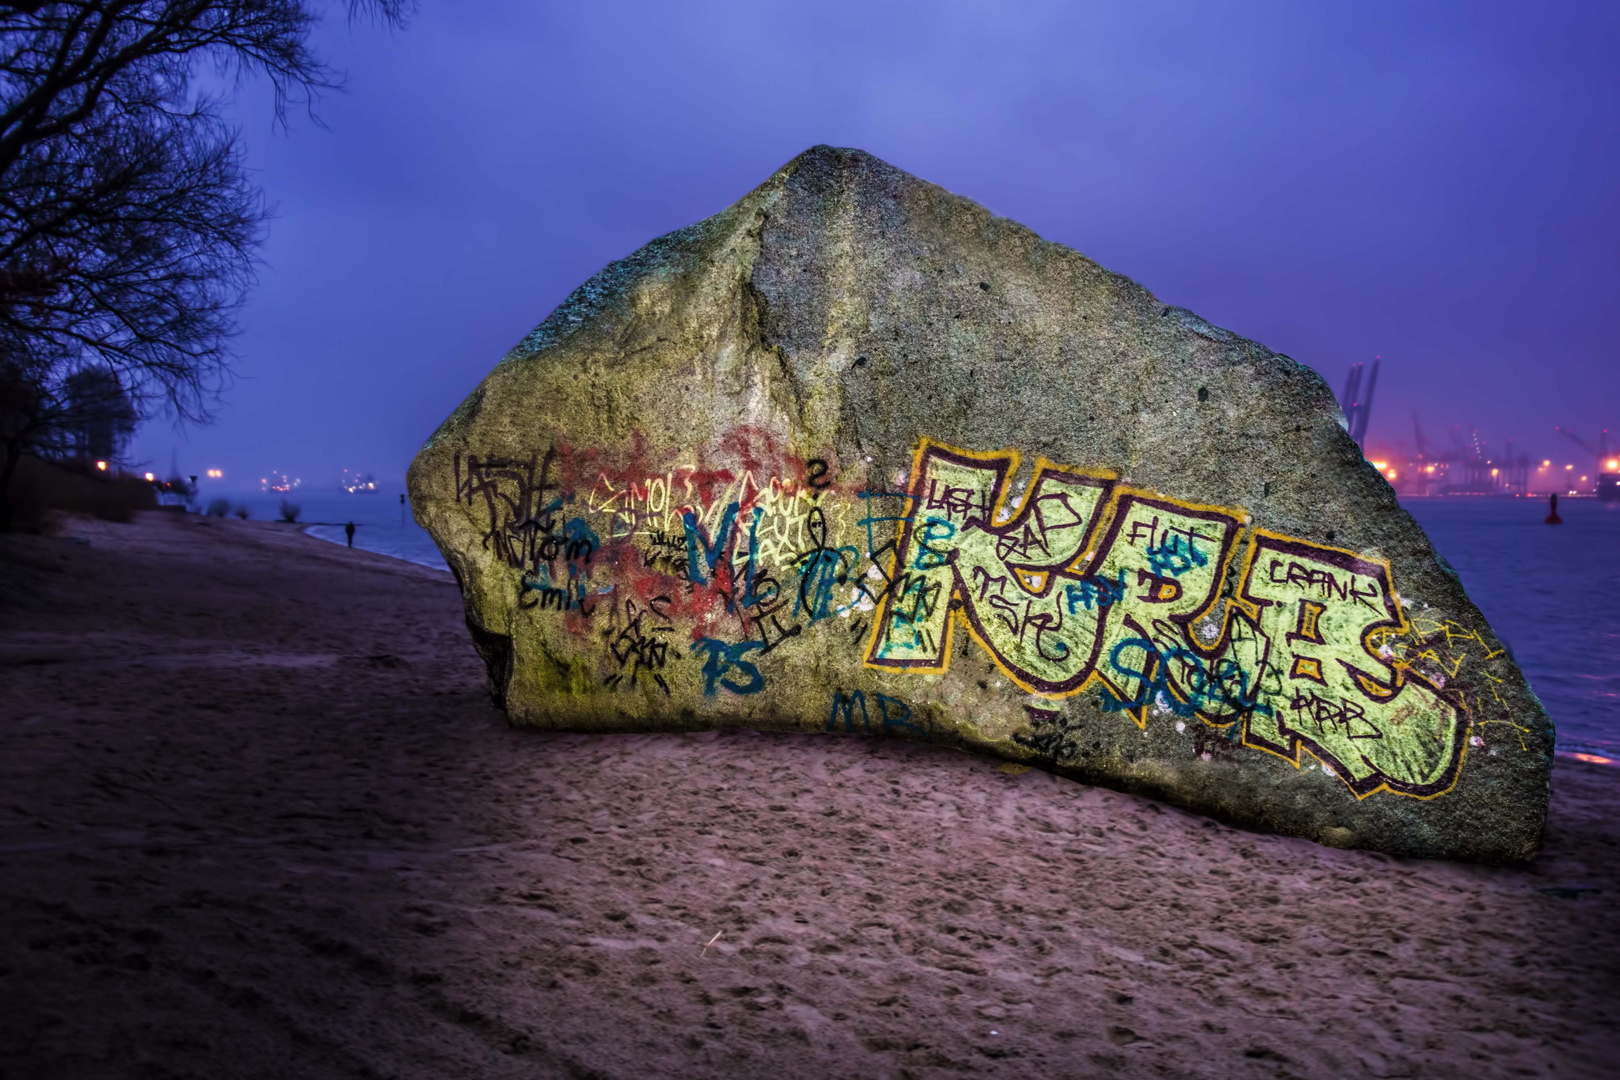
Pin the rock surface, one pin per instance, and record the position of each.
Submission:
(855, 455)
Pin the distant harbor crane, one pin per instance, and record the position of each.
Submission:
(1606, 464)
(1358, 409)
(1601, 452)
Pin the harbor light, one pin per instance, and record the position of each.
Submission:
(102, 465)
(357, 483)
(215, 474)
(150, 477)
(1567, 468)
(1495, 471)
(1612, 466)
(279, 481)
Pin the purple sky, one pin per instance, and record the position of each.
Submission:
(1436, 184)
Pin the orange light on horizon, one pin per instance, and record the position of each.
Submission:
(1544, 464)
(1567, 468)
(1593, 759)
(1380, 465)
(1612, 466)
(150, 478)
(215, 474)
(1583, 479)
(1429, 469)
(102, 465)
(1392, 474)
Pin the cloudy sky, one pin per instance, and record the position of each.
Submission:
(1435, 184)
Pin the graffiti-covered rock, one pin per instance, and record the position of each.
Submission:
(855, 455)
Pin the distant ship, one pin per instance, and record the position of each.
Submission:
(358, 483)
(279, 482)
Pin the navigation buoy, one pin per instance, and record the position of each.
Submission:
(1553, 518)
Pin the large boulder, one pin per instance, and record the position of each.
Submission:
(856, 455)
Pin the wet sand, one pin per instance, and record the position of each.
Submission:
(259, 819)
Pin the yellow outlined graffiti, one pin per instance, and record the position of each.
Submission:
(1346, 699)
(1083, 582)
(964, 554)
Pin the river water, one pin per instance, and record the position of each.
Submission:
(1552, 593)
(381, 523)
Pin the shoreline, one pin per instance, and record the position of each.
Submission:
(305, 528)
(260, 818)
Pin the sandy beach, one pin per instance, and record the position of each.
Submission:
(259, 819)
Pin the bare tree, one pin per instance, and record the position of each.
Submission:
(128, 222)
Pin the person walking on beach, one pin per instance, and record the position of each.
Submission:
(348, 530)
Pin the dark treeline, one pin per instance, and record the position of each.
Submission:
(128, 221)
